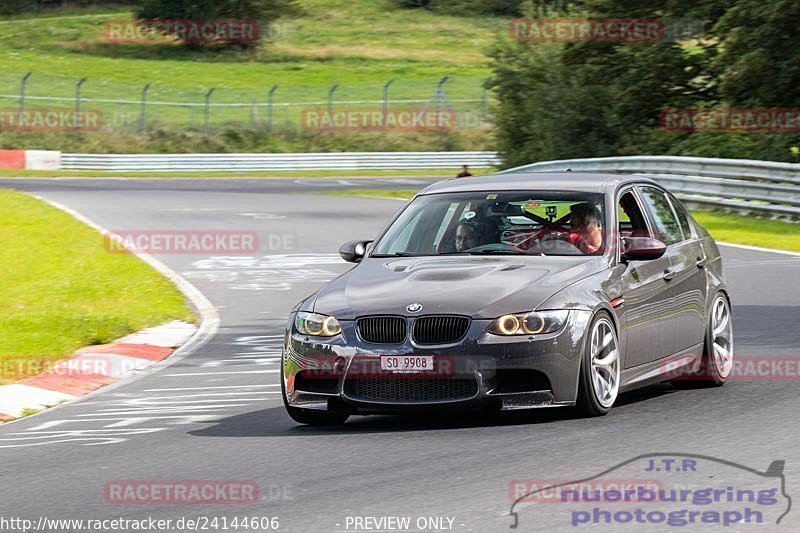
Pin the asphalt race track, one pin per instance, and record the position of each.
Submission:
(217, 414)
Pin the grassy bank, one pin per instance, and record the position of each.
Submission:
(358, 45)
(762, 232)
(726, 227)
(61, 290)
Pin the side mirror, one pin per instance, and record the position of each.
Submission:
(353, 251)
(642, 249)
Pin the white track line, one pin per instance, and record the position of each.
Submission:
(758, 249)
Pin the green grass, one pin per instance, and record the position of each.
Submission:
(725, 227)
(359, 44)
(738, 229)
(61, 290)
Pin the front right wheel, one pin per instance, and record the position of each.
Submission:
(311, 417)
(598, 384)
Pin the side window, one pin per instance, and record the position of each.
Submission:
(683, 218)
(666, 226)
(631, 219)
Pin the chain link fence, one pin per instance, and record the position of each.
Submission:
(275, 107)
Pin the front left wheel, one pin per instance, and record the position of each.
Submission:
(598, 384)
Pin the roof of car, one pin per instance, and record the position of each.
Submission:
(554, 181)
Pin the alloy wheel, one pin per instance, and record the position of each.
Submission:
(605, 362)
(722, 336)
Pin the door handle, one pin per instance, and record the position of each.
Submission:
(701, 262)
(669, 274)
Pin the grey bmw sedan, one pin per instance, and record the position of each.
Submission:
(514, 291)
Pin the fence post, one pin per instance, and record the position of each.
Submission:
(440, 96)
(143, 112)
(207, 120)
(78, 96)
(270, 109)
(22, 90)
(386, 100)
(330, 101)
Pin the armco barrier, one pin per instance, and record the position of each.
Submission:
(272, 162)
(760, 186)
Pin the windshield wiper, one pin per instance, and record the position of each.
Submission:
(402, 254)
(499, 252)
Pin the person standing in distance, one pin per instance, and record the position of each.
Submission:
(464, 172)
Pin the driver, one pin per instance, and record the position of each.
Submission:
(586, 231)
(468, 235)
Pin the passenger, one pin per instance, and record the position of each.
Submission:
(586, 231)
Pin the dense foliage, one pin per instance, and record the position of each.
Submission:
(584, 99)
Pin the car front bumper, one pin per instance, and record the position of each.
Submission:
(510, 372)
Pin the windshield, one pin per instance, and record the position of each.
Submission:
(497, 223)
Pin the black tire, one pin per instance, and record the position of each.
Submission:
(708, 374)
(587, 404)
(311, 417)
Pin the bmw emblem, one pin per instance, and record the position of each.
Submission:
(414, 308)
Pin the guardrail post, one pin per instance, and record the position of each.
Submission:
(78, 95)
(143, 107)
(271, 108)
(386, 99)
(207, 117)
(23, 88)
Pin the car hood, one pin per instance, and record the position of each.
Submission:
(481, 287)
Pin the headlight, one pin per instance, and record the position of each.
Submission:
(316, 324)
(535, 323)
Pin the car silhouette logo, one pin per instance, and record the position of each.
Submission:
(414, 308)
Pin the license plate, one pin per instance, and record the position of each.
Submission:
(407, 363)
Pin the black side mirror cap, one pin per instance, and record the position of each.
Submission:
(354, 251)
(642, 249)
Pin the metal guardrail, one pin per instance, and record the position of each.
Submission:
(268, 162)
(761, 186)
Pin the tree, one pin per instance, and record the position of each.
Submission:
(559, 100)
(759, 60)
